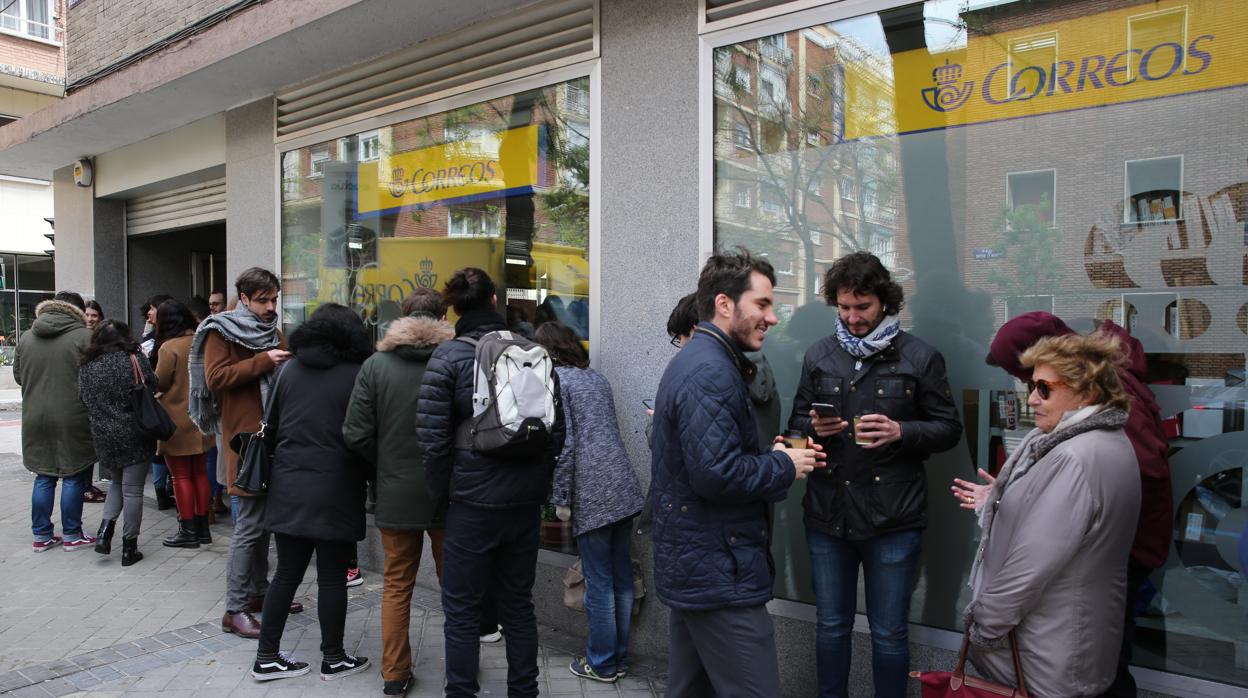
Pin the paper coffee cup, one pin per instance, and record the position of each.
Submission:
(859, 438)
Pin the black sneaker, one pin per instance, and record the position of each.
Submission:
(580, 667)
(339, 668)
(397, 688)
(283, 667)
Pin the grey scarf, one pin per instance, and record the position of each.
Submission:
(243, 328)
(1036, 445)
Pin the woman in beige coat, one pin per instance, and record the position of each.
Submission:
(1057, 526)
(186, 451)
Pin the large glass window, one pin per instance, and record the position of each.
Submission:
(501, 185)
(920, 117)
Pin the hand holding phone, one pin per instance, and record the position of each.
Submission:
(825, 419)
(825, 409)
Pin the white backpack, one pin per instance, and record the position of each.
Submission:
(513, 396)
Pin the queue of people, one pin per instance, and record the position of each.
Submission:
(461, 433)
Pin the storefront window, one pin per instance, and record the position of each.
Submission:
(1083, 158)
(501, 185)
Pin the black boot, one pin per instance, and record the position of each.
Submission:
(186, 537)
(130, 551)
(104, 539)
(202, 529)
(164, 501)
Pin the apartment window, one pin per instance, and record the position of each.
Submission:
(743, 196)
(31, 18)
(1036, 189)
(772, 202)
(772, 48)
(848, 189)
(1031, 58)
(1153, 190)
(741, 135)
(772, 89)
(317, 159)
(816, 237)
(1148, 32)
(473, 222)
(370, 146)
(577, 99)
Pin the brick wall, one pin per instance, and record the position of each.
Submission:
(103, 31)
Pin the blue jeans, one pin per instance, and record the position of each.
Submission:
(160, 474)
(44, 496)
(888, 563)
(608, 569)
(211, 464)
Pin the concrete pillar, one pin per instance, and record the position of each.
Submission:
(90, 243)
(251, 220)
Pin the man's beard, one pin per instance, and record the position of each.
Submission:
(742, 329)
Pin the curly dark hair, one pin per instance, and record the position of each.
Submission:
(336, 328)
(864, 274)
(563, 343)
(729, 273)
(109, 336)
(173, 319)
(684, 317)
(470, 289)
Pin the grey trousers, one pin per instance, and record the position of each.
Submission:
(247, 572)
(724, 653)
(125, 495)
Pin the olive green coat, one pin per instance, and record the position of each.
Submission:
(56, 435)
(381, 422)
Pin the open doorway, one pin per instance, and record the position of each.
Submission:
(181, 263)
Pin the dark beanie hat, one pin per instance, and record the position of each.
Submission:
(1017, 335)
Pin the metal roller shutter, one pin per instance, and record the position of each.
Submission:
(183, 207)
(532, 40)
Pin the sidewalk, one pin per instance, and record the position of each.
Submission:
(79, 624)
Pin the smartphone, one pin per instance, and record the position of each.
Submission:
(649, 403)
(825, 409)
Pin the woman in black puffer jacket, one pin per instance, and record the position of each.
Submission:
(104, 381)
(316, 489)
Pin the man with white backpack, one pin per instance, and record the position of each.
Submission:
(490, 424)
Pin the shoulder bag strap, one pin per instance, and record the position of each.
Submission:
(138, 374)
(960, 670)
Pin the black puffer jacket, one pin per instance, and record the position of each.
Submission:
(867, 492)
(317, 486)
(465, 476)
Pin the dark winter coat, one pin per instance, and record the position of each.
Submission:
(317, 485)
(381, 421)
(56, 436)
(105, 384)
(862, 493)
(711, 483)
(1143, 429)
(594, 475)
(462, 475)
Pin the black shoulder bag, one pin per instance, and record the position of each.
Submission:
(149, 415)
(255, 457)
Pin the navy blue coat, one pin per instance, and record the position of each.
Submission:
(462, 475)
(711, 482)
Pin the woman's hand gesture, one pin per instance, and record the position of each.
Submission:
(969, 494)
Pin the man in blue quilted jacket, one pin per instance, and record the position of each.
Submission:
(711, 485)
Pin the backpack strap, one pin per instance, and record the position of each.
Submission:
(471, 341)
(463, 432)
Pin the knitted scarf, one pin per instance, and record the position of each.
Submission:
(1036, 445)
(874, 343)
(243, 328)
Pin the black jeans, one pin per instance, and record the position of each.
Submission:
(1124, 684)
(293, 555)
(490, 550)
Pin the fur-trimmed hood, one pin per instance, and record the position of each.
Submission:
(54, 318)
(415, 333)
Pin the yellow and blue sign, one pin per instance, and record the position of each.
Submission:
(506, 163)
(1131, 54)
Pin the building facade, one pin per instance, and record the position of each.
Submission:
(1085, 157)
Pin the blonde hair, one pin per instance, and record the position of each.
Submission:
(1088, 365)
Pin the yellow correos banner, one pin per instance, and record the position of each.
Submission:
(1132, 54)
(502, 164)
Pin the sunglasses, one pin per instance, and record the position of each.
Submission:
(1043, 387)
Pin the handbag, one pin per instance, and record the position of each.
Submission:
(574, 587)
(956, 684)
(150, 416)
(255, 455)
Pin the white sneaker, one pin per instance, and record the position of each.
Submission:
(494, 636)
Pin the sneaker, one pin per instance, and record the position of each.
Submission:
(397, 688)
(339, 668)
(284, 667)
(494, 636)
(79, 543)
(42, 545)
(580, 667)
(354, 577)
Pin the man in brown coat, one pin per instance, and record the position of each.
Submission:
(233, 357)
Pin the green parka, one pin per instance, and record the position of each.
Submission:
(381, 421)
(56, 435)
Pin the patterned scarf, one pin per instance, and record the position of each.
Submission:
(874, 343)
(243, 328)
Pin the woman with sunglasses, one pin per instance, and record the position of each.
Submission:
(1057, 526)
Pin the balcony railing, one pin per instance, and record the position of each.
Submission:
(30, 28)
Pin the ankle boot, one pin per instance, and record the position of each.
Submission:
(130, 551)
(104, 539)
(186, 537)
(202, 529)
(164, 502)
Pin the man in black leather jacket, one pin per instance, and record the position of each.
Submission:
(493, 519)
(869, 506)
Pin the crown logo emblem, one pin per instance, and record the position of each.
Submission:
(947, 96)
(426, 278)
(426, 265)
